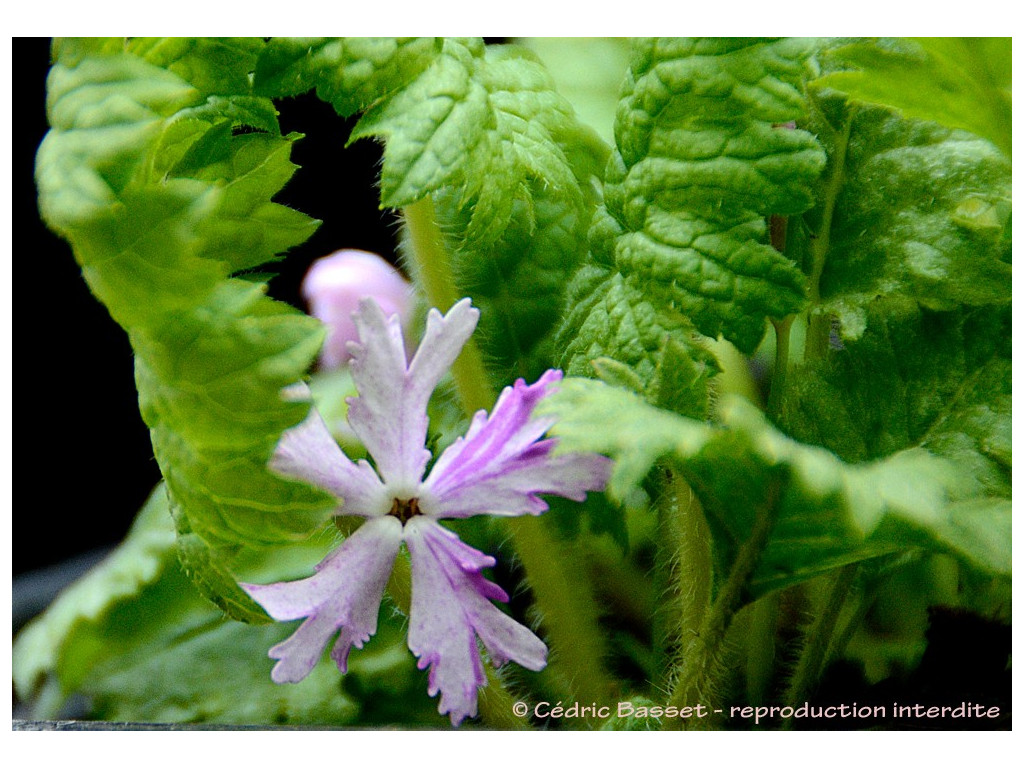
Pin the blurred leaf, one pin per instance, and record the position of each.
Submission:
(960, 82)
(825, 512)
(139, 560)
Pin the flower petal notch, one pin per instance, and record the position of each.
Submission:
(500, 467)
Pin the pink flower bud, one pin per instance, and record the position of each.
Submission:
(335, 284)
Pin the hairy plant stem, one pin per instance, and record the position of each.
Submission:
(434, 272)
(496, 704)
(684, 569)
(701, 666)
(556, 574)
(760, 647)
(817, 639)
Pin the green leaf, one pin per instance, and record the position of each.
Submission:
(213, 65)
(136, 638)
(519, 281)
(701, 162)
(825, 512)
(947, 384)
(486, 121)
(349, 73)
(212, 673)
(958, 82)
(430, 126)
(138, 561)
(516, 218)
(611, 324)
(919, 211)
(143, 174)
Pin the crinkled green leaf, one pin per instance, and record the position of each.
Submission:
(702, 159)
(961, 82)
(918, 210)
(350, 73)
(610, 321)
(486, 121)
(430, 126)
(825, 512)
(214, 65)
(516, 220)
(538, 147)
(143, 174)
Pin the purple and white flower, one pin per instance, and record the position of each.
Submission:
(498, 468)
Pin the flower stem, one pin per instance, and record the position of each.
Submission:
(761, 650)
(818, 638)
(555, 574)
(684, 567)
(497, 705)
(701, 665)
(435, 275)
(568, 612)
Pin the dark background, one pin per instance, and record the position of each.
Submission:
(92, 462)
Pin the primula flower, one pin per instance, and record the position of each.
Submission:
(498, 468)
(335, 284)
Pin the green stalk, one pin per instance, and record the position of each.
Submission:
(568, 612)
(817, 640)
(684, 568)
(438, 282)
(761, 650)
(818, 325)
(779, 376)
(497, 707)
(701, 667)
(556, 574)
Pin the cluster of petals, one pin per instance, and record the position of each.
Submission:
(499, 467)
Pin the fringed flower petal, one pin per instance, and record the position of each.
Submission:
(501, 464)
(450, 608)
(344, 594)
(308, 452)
(390, 413)
(500, 467)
